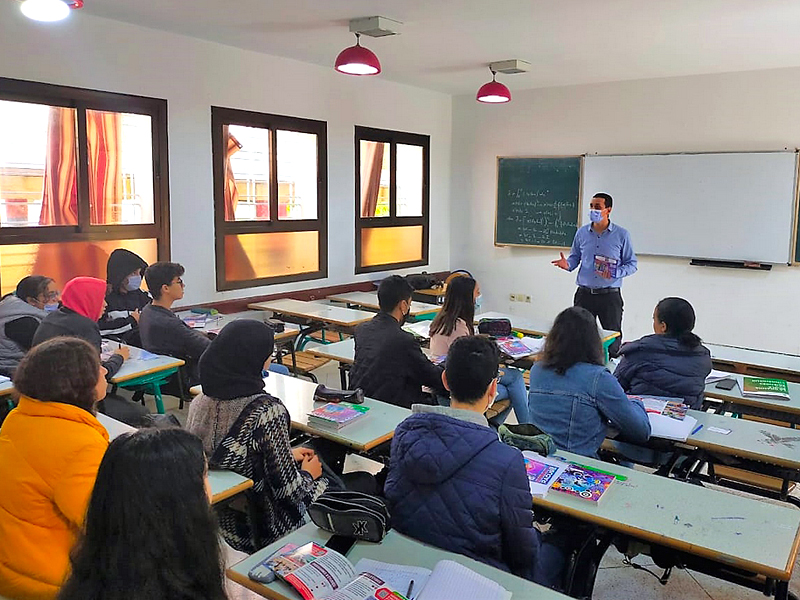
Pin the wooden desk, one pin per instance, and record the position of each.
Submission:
(697, 522)
(768, 408)
(215, 323)
(540, 327)
(395, 548)
(135, 368)
(314, 311)
(759, 363)
(370, 300)
(224, 484)
(371, 431)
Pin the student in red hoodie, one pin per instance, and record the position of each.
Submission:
(82, 305)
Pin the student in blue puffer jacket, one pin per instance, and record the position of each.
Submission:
(454, 485)
(671, 362)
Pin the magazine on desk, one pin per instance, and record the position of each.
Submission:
(319, 573)
(542, 472)
(520, 347)
(668, 417)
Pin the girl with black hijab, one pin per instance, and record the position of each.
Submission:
(246, 430)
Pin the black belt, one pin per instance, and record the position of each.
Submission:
(596, 291)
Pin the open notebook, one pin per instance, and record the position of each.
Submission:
(449, 580)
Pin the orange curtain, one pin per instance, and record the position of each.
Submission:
(231, 193)
(237, 264)
(60, 192)
(371, 167)
(62, 262)
(103, 132)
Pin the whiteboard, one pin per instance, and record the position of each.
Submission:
(727, 206)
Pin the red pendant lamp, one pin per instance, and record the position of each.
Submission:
(357, 60)
(493, 92)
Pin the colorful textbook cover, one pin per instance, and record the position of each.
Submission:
(542, 472)
(336, 416)
(584, 483)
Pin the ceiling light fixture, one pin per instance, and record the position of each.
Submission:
(357, 60)
(49, 10)
(493, 92)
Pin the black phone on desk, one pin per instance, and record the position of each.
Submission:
(726, 384)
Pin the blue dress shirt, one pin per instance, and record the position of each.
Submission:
(614, 242)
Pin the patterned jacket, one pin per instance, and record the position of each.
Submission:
(257, 446)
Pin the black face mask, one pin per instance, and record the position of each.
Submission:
(405, 316)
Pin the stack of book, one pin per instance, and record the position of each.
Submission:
(761, 387)
(333, 416)
(572, 479)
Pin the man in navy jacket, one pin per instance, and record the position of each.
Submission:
(454, 485)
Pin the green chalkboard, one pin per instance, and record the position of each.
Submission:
(538, 201)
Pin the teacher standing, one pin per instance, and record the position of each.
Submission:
(605, 255)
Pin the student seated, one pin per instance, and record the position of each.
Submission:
(389, 364)
(124, 298)
(50, 449)
(672, 362)
(455, 321)
(20, 315)
(453, 484)
(572, 395)
(82, 303)
(162, 331)
(246, 430)
(150, 532)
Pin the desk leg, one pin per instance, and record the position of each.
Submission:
(159, 399)
(343, 369)
(781, 590)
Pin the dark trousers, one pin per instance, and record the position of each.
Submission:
(606, 307)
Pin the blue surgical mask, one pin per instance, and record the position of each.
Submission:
(478, 301)
(595, 216)
(134, 283)
(51, 307)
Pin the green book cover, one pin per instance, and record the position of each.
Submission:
(761, 386)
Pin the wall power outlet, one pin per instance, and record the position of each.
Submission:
(519, 298)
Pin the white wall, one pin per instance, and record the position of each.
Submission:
(729, 112)
(193, 75)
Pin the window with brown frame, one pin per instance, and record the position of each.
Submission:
(392, 199)
(270, 198)
(82, 172)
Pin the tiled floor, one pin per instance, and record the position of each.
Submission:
(615, 579)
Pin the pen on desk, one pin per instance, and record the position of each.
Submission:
(698, 428)
(410, 588)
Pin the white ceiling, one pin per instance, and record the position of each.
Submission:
(446, 44)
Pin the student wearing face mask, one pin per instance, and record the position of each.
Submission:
(455, 321)
(124, 297)
(389, 364)
(20, 315)
(605, 255)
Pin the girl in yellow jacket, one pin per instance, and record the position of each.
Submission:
(51, 446)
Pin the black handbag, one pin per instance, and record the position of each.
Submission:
(421, 281)
(494, 327)
(351, 514)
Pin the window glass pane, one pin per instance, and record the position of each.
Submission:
(247, 173)
(409, 180)
(38, 184)
(256, 255)
(297, 175)
(390, 245)
(120, 168)
(375, 166)
(64, 260)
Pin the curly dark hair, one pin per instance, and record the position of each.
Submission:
(149, 531)
(574, 338)
(63, 369)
